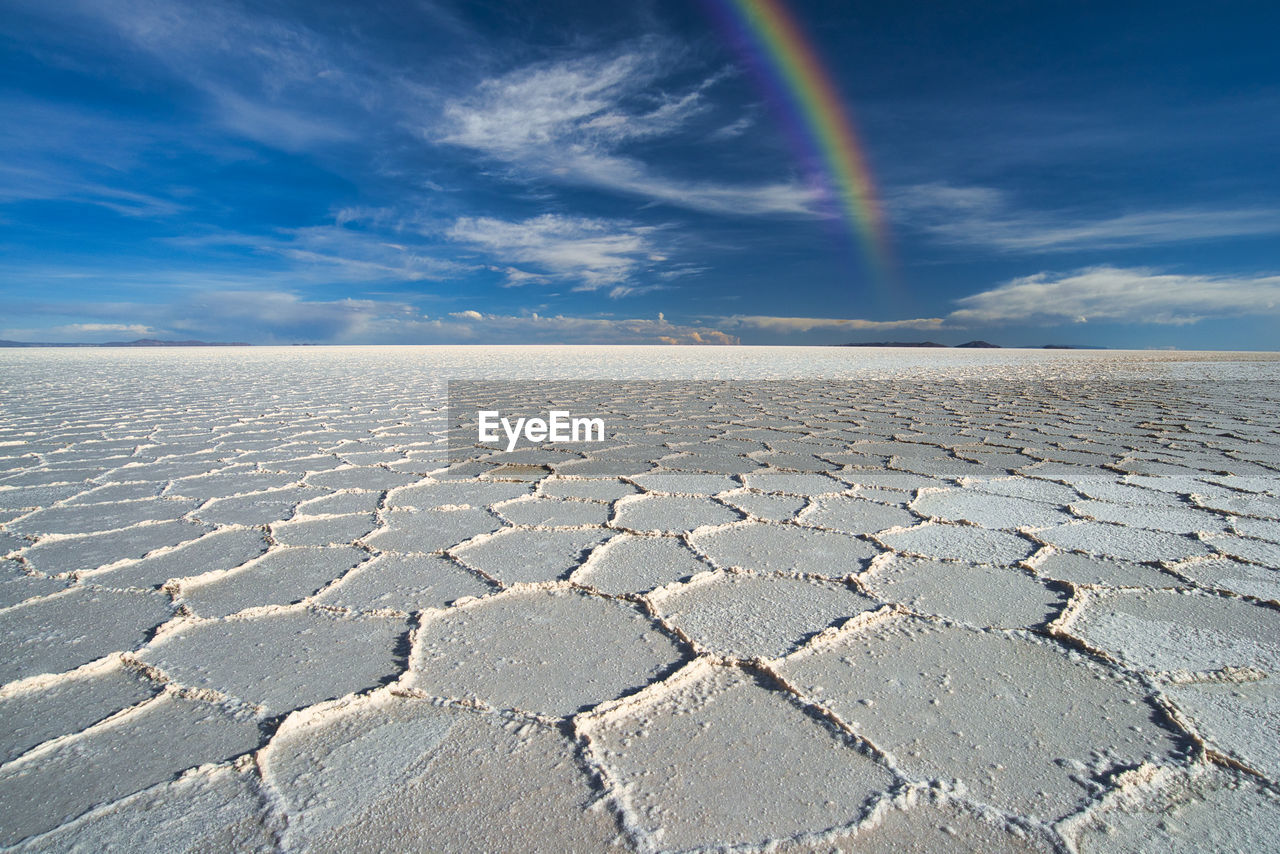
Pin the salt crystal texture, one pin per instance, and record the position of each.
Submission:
(849, 599)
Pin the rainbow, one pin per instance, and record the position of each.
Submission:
(789, 66)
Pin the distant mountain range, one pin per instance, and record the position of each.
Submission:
(141, 342)
(975, 345)
(154, 342)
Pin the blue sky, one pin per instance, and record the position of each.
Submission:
(490, 172)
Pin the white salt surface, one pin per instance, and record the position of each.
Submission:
(903, 601)
(635, 564)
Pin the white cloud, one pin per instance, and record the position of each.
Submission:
(734, 129)
(1118, 294)
(278, 125)
(329, 251)
(283, 317)
(566, 121)
(769, 323)
(593, 99)
(79, 332)
(622, 291)
(265, 78)
(1097, 294)
(131, 328)
(51, 177)
(985, 216)
(534, 328)
(515, 277)
(264, 316)
(593, 252)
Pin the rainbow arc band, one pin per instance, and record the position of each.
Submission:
(828, 124)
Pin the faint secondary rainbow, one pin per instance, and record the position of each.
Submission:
(777, 49)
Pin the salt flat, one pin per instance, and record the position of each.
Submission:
(826, 599)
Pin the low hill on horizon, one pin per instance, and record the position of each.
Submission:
(141, 342)
(971, 345)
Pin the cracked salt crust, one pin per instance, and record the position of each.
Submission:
(794, 484)
(426, 531)
(17, 586)
(36, 637)
(1010, 598)
(92, 518)
(1208, 809)
(1090, 570)
(770, 508)
(549, 652)
(776, 548)
(553, 512)
(219, 550)
(750, 616)
(959, 542)
(432, 776)
(281, 659)
(283, 576)
(671, 514)
(208, 809)
(579, 651)
(38, 710)
(926, 826)
(636, 564)
(856, 515)
(1235, 576)
(1118, 541)
(1239, 719)
(126, 754)
(261, 508)
(404, 583)
(989, 511)
(1167, 630)
(775, 771)
(58, 555)
(592, 489)
(963, 704)
(530, 555)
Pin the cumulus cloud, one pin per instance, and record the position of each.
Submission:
(983, 216)
(1096, 294)
(79, 333)
(592, 252)
(1119, 294)
(264, 316)
(567, 120)
(131, 328)
(537, 329)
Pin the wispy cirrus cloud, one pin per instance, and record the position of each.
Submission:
(593, 253)
(329, 251)
(266, 78)
(567, 121)
(986, 217)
